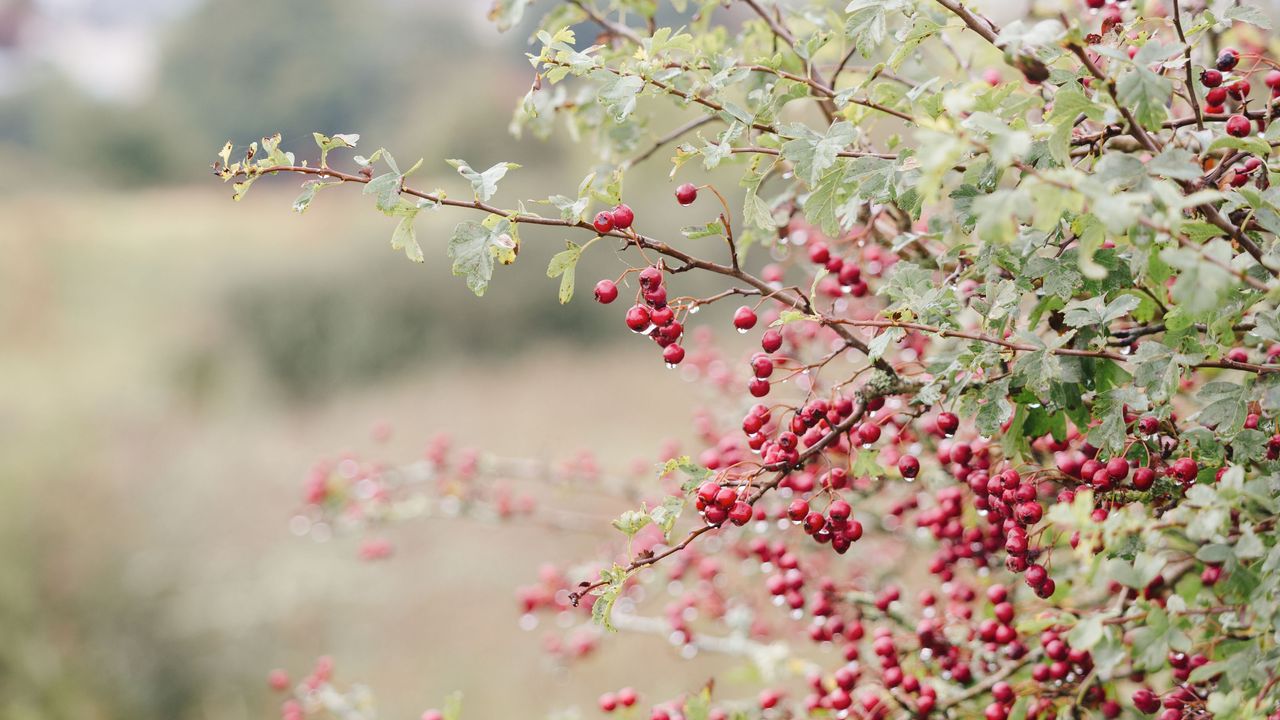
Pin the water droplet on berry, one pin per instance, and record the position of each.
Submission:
(742, 331)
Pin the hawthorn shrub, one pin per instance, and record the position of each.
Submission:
(1008, 447)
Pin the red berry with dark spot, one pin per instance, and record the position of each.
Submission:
(650, 277)
(1238, 126)
(1211, 78)
(1227, 60)
(606, 292)
(603, 222)
(638, 318)
(909, 466)
(948, 423)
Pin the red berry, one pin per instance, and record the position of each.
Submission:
(638, 318)
(686, 194)
(740, 513)
(627, 697)
(662, 316)
(622, 216)
(1227, 60)
(1148, 424)
(1272, 80)
(1238, 126)
(1118, 468)
(608, 702)
(650, 277)
(797, 510)
(1239, 89)
(606, 292)
(1185, 469)
(1216, 97)
(278, 679)
(603, 222)
(1146, 701)
(673, 354)
(758, 387)
(771, 341)
(840, 511)
(1143, 478)
(762, 365)
(1003, 693)
(868, 433)
(818, 253)
(707, 491)
(909, 466)
(744, 318)
(948, 423)
(1211, 78)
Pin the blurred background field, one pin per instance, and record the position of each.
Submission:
(173, 363)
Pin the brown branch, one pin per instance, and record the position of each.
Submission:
(1191, 84)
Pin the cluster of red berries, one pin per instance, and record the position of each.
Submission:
(717, 504)
(1221, 88)
(651, 316)
(836, 527)
(1184, 702)
(619, 218)
(624, 698)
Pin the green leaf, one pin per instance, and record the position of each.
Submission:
(1248, 14)
(1093, 312)
(812, 154)
(617, 93)
(506, 14)
(1201, 285)
(1225, 405)
(1158, 369)
(309, 190)
(326, 143)
(1175, 163)
(474, 247)
(483, 184)
(880, 343)
(666, 514)
(1145, 93)
(865, 25)
(602, 609)
(406, 239)
(711, 229)
(563, 265)
(632, 522)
